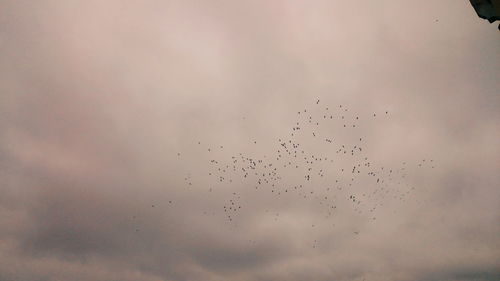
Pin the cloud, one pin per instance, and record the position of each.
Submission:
(99, 98)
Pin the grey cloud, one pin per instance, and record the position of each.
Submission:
(97, 98)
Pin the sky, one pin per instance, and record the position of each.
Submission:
(133, 135)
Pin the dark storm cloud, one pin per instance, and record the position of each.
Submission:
(97, 98)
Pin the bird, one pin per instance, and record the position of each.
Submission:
(297, 169)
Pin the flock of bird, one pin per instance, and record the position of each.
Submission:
(322, 159)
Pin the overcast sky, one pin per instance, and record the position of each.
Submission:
(116, 116)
